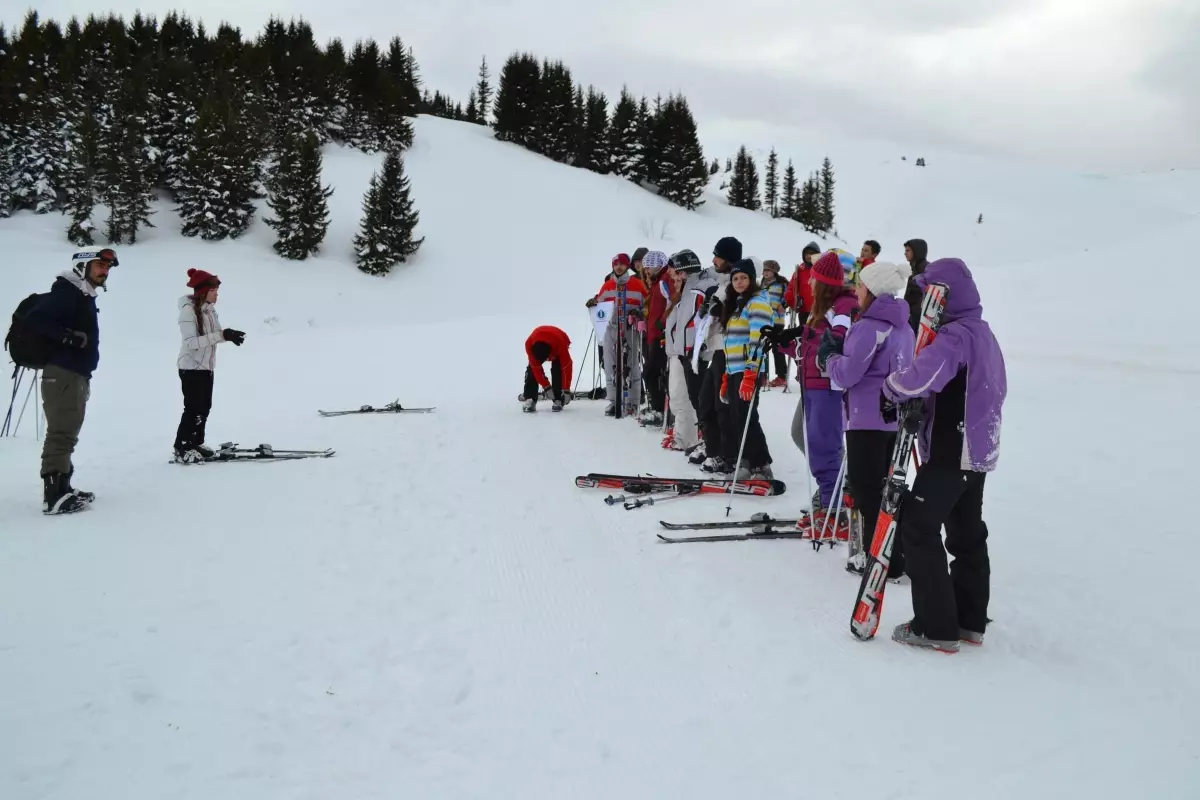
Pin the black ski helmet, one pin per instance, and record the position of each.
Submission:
(685, 261)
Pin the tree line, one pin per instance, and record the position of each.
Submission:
(810, 203)
(542, 108)
(117, 114)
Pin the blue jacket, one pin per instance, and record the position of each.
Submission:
(69, 307)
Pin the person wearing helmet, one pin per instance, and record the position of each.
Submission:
(67, 317)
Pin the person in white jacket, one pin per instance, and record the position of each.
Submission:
(201, 332)
(688, 287)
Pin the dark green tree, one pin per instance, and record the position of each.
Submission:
(483, 93)
(825, 214)
(772, 184)
(789, 203)
(386, 234)
(623, 142)
(517, 104)
(296, 196)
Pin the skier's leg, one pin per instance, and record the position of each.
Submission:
(204, 396)
(556, 379)
(926, 507)
(868, 454)
(635, 368)
(64, 401)
(681, 404)
(188, 433)
(531, 385)
(824, 417)
(966, 541)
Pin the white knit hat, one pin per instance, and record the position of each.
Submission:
(883, 277)
(654, 260)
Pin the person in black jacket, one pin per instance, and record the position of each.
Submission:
(68, 317)
(916, 252)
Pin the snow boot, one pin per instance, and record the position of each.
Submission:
(188, 455)
(86, 497)
(557, 405)
(970, 637)
(651, 419)
(904, 634)
(716, 465)
(57, 498)
(778, 382)
(610, 410)
(529, 406)
(697, 455)
(205, 451)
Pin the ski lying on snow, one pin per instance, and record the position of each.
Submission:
(229, 451)
(735, 537)
(756, 521)
(761, 488)
(390, 408)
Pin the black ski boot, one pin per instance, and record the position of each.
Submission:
(57, 497)
(86, 497)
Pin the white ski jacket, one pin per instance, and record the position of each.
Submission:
(198, 351)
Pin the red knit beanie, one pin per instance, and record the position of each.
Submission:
(199, 279)
(828, 270)
(622, 258)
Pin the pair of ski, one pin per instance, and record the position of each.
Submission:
(391, 408)
(229, 451)
(648, 486)
(764, 527)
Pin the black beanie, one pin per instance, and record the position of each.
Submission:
(744, 265)
(540, 350)
(640, 253)
(729, 249)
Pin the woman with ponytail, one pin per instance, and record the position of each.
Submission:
(201, 332)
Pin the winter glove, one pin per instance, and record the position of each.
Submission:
(76, 339)
(724, 387)
(591, 302)
(564, 397)
(914, 411)
(830, 345)
(887, 409)
(749, 381)
(233, 335)
(767, 335)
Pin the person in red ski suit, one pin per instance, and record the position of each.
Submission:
(547, 343)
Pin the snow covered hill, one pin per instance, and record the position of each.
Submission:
(438, 612)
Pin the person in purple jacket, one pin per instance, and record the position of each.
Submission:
(879, 343)
(961, 376)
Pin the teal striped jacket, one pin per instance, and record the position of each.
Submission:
(742, 333)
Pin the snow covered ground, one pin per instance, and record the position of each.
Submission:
(438, 612)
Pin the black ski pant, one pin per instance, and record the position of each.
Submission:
(197, 402)
(556, 381)
(709, 408)
(654, 375)
(944, 601)
(740, 412)
(868, 456)
(781, 364)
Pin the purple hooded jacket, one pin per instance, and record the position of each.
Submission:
(879, 343)
(963, 340)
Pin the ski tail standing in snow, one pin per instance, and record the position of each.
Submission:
(67, 318)
(627, 292)
(711, 409)
(746, 312)
(878, 344)
(547, 343)
(962, 381)
(799, 298)
(201, 332)
(688, 285)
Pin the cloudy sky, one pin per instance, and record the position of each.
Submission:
(1110, 85)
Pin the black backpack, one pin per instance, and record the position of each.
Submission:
(26, 347)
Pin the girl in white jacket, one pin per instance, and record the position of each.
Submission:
(201, 332)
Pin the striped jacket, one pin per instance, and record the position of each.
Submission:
(635, 293)
(198, 351)
(777, 289)
(742, 333)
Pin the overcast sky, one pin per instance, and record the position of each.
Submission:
(1086, 84)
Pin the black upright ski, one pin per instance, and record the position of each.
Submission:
(868, 605)
(390, 408)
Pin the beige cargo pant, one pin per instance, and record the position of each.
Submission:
(64, 399)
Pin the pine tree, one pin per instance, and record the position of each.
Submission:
(623, 142)
(472, 113)
(594, 139)
(389, 219)
(729, 165)
(81, 177)
(216, 200)
(682, 171)
(128, 162)
(715, 167)
(516, 108)
(297, 198)
(772, 184)
(788, 205)
(826, 196)
(809, 209)
(38, 153)
(483, 92)
(743, 187)
(5, 172)
(645, 167)
(555, 112)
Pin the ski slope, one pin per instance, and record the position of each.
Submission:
(438, 612)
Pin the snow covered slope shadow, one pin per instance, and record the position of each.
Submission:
(437, 611)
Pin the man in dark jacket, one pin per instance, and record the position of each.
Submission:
(68, 317)
(916, 252)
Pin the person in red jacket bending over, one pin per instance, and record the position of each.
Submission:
(547, 343)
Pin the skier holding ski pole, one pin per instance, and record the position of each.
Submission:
(627, 293)
(547, 343)
(961, 377)
(745, 312)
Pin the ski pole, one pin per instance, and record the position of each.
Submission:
(745, 432)
(587, 347)
(837, 507)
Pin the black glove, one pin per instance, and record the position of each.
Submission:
(888, 410)
(767, 335)
(77, 339)
(591, 302)
(830, 344)
(914, 411)
(235, 336)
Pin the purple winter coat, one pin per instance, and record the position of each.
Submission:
(963, 339)
(879, 343)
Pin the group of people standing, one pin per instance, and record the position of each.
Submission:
(701, 339)
(66, 322)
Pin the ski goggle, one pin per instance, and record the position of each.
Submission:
(107, 255)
